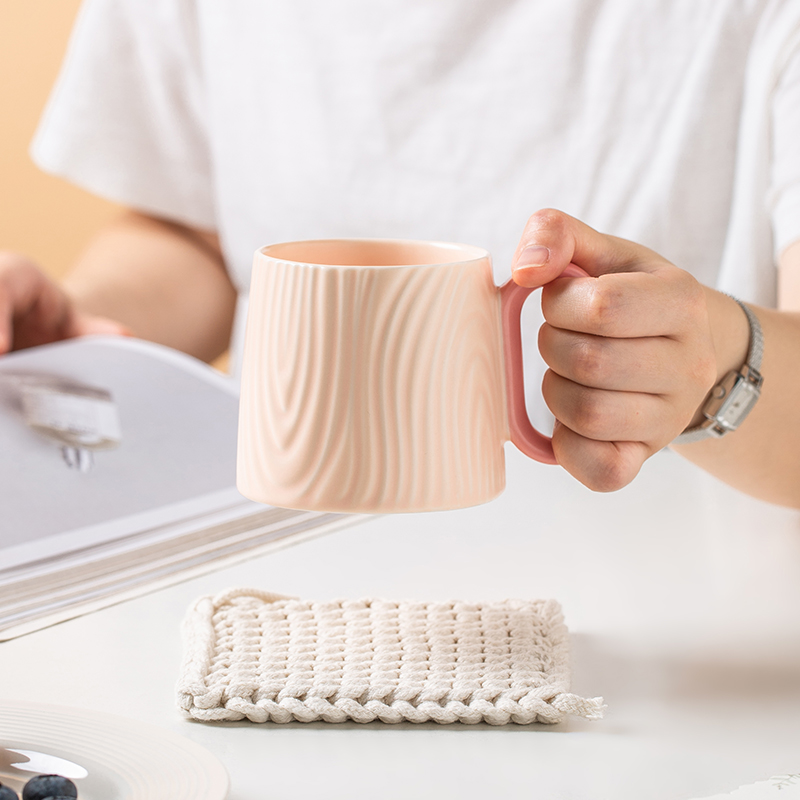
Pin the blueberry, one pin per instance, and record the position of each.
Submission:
(7, 793)
(43, 786)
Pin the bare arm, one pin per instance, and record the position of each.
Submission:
(165, 282)
(149, 277)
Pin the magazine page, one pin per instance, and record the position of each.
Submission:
(174, 438)
(117, 476)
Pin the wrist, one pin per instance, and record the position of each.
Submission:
(730, 332)
(737, 388)
(730, 335)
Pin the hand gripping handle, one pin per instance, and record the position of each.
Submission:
(535, 445)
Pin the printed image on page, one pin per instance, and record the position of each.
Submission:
(99, 429)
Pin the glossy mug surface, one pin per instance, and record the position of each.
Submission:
(380, 376)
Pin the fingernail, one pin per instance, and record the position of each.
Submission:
(534, 255)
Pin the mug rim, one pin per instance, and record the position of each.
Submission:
(469, 253)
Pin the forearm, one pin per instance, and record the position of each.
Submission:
(165, 282)
(762, 457)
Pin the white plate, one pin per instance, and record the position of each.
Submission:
(110, 757)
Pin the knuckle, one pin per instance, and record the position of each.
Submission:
(589, 361)
(611, 475)
(604, 305)
(614, 469)
(590, 416)
(550, 219)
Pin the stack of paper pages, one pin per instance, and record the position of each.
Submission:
(117, 477)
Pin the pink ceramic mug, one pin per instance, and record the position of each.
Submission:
(381, 376)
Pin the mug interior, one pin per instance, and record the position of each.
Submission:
(373, 252)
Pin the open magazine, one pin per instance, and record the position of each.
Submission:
(117, 477)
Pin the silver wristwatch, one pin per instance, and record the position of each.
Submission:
(733, 398)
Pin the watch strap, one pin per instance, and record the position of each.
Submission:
(756, 351)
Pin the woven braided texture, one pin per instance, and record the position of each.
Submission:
(262, 657)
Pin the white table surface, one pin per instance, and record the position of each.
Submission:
(683, 602)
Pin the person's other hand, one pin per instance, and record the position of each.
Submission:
(629, 349)
(35, 310)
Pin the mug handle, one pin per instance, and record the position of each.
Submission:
(535, 445)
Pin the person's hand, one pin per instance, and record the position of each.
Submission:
(629, 349)
(35, 310)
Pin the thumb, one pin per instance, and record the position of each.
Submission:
(552, 240)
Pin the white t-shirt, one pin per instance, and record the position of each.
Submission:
(674, 123)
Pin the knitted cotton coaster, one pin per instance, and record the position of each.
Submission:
(264, 657)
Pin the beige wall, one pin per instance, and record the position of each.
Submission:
(41, 216)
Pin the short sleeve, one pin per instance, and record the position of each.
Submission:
(785, 170)
(126, 117)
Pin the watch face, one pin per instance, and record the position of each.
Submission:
(741, 398)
